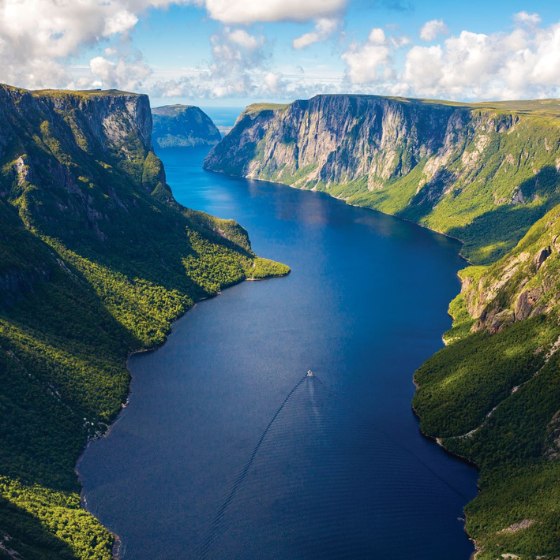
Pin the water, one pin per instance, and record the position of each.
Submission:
(227, 451)
(223, 117)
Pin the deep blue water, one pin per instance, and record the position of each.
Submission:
(226, 451)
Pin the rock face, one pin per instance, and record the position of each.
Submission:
(335, 139)
(109, 120)
(72, 159)
(179, 126)
(459, 169)
(523, 284)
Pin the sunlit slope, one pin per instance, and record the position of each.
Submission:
(493, 394)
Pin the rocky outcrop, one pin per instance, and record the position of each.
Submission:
(541, 256)
(523, 284)
(77, 158)
(180, 126)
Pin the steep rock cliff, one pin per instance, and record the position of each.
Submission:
(180, 126)
(524, 283)
(482, 173)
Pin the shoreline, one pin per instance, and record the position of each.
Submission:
(118, 545)
(433, 439)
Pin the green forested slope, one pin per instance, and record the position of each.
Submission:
(492, 395)
(96, 261)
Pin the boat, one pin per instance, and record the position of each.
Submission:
(310, 373)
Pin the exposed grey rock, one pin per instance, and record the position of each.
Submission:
(541, 256)
(526, 304)
(340, 139)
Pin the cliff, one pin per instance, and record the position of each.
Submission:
(487, 174)
(97, 260)
(183, 126)
(482, 173)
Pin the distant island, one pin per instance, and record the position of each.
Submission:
(182, 126)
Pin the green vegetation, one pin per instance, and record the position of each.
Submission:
(96, 261)
(463, 382)
(258, 107)
(265, 268)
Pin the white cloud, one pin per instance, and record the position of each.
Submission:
(272, 82)
(367, 64)
(250, 11)
(259, 83)
(525, 18)
(423, 67)
(522, 63)
(37, 36)
(372, 61)
(239, 67)
(476, 65)
(120, 22)
(433, 29)
(377, 36)
(243, 39)
(126, 73)
(324, 27)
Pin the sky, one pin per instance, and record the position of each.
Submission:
(234, 52)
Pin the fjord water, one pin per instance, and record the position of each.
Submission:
(227, 450)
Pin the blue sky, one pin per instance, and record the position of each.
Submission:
(233, 52)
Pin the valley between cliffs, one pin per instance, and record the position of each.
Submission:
(487, 174)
